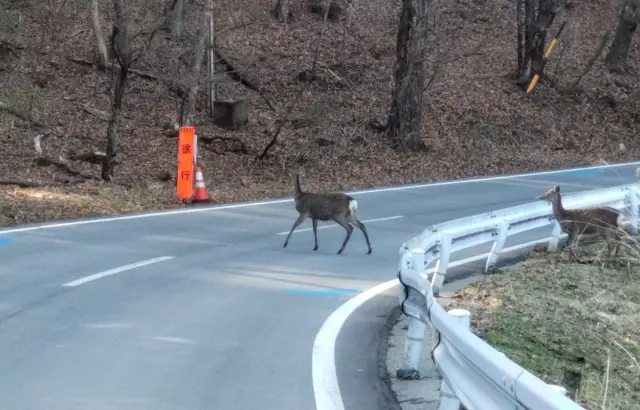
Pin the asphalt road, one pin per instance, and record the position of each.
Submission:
(214, 313)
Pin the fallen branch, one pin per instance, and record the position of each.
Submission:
(241, 75)
(173, 85)
(96, 158)
(21, 184)
(241, 149)
(116, 67)
(95, 112)
(23, 116)
(61, 163)
(46, 161)
(330, 71)
(171, 133)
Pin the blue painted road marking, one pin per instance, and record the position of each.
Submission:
(5, 240)
(583, 172)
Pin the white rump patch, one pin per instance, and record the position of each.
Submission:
(353, 206)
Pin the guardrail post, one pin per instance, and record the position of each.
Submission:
(555, 237)
(415, 330)
(633, 198)
(448, 400)
(443, 262)
(498, 244)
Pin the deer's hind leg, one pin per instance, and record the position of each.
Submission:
(297, 223)
(613, 241)
(342, 221)
(360, 226)
(314, 221)
(571, 239)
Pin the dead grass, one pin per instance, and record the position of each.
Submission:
(575, 324)
(476, 121)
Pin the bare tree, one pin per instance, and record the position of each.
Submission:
(101, 48)
(121, 49)
(404, 124)
(534, 19)
(188, 109)
(627, 24)
(211, 59)
(175, 17)
(283, 11)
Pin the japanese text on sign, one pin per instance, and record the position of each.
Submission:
(186, 163)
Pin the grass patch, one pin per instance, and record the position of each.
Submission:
(572, 324)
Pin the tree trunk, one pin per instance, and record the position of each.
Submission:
(546, 15)
(404, 124)
(189, 110)
(176, 17)
(534, 19)
(120, 47)
(101, 48)
(283, 11)
(617, 56)
(212, 60)
(108, 164)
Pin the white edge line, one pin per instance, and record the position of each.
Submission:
(323, 366)
(281, 201)
(110, 272)
(387, 218)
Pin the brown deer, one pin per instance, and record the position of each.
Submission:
(604, 221)
(338, 207)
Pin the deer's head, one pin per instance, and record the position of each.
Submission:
(551, 195)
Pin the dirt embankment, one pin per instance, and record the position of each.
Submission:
(571, 324)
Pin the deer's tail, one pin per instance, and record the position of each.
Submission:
(624, 223)
(296, 184)
(353, 207)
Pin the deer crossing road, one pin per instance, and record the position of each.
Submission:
(204, 309)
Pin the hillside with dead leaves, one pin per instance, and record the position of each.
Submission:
(55, 102)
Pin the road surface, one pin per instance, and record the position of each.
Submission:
(205, 310)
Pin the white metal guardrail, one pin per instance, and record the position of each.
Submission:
(474, 373)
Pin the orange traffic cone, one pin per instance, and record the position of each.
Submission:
(201, 194)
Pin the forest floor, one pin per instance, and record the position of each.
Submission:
(476, 120)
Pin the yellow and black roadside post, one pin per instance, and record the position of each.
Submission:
(552, 44)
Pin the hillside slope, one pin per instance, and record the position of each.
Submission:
(476, 121)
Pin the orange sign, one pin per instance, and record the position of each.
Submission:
(186, 158)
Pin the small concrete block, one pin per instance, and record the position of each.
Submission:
(230, 114)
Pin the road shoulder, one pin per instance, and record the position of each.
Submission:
(418, 394)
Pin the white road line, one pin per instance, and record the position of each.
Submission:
(282, 201)
(110, 272)
(388, 218)
(323, 366)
